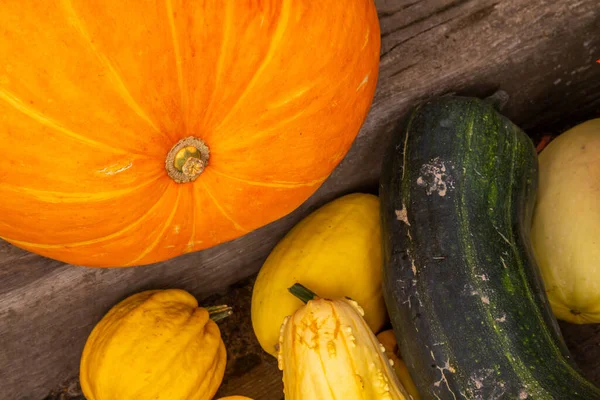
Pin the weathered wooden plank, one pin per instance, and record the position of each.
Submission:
(252, 372)
(541, 52)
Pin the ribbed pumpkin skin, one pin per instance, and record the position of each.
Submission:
(94, 94)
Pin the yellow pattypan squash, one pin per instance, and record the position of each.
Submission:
(336, 251)
(154, 345)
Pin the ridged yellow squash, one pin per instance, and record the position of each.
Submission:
(154, 345)
(389, 342)
(566, 224)
(328, 352)
(336, 250)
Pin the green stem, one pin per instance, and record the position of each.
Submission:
(302, 293)
(498, 100)
(218, 313)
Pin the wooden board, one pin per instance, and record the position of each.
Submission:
(252, 372)
(542, 52)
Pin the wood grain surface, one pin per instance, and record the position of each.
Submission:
(252, 372)
(542, 52)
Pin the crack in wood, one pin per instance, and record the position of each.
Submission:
(402, 70)
(386, 14)
(472, 19)
(395, 46)
(454, 4)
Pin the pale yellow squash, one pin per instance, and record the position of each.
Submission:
(336, 251)
(328, 352)
(154, 345)
(566, 225)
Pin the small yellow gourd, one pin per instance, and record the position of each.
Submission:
(388, 340)
(566, 225)
(327, 351)
(235, 398)
(155, 345)
(336, 251)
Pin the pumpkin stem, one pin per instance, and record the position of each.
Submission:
(218, 313)
(302, 293)
(187, 159)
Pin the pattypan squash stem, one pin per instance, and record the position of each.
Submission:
(302, 293)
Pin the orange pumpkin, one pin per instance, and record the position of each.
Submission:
(134, 131)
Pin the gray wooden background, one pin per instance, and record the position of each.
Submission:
(542, 52)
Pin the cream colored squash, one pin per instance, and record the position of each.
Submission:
(328, 352)
(566, 224)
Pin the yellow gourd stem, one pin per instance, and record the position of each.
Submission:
(217, 313)
(187, 159)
